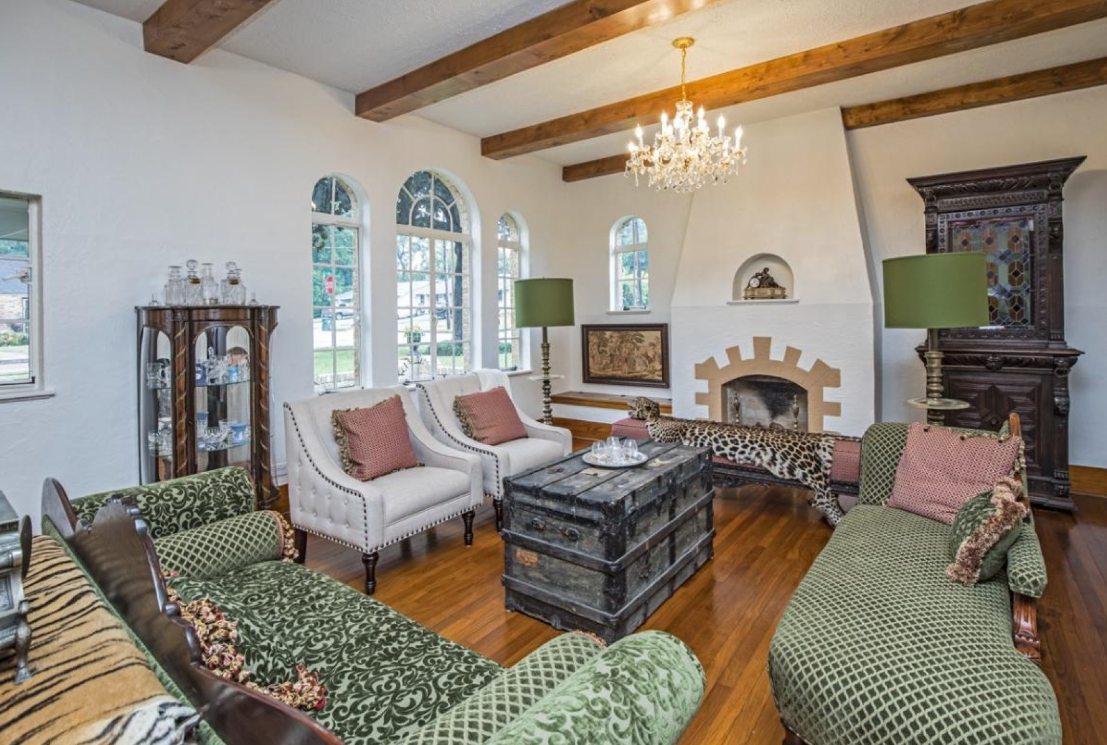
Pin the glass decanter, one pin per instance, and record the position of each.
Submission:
(193, 293)
(233, 291)
(209, 289)
(174, 287)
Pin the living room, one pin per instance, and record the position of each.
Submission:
(468, 146)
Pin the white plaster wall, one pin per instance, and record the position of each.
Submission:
(598, 205)
(143, 162)
(1062, 125)
(794, 198)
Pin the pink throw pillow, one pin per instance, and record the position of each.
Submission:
(941, 469)
(489, 416)
(374, 442)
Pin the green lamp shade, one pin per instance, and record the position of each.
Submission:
(543, 302)
(936, 291)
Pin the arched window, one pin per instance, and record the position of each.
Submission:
(433, 279)
(509, 267)
(630, 265)
(336, 299)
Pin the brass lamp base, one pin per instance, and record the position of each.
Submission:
(547, 389)
(934, 402)
(939, 404)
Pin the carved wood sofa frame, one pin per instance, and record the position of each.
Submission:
(119, 554)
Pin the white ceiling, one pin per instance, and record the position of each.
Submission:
(356, 44)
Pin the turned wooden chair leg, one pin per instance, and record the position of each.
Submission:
(499, 505)
(370, 562)
(301, 545)
(468, 518)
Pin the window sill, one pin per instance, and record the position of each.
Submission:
(636, 312)
(27, 394)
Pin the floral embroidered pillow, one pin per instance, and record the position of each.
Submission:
(983, 531)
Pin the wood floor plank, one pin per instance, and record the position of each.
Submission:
(766, 539)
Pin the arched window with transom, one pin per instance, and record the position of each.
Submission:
(630, 265)
(434, 279)
(510, 266)
(335, 285)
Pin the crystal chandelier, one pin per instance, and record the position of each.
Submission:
(685, 155)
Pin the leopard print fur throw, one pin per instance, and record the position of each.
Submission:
(795, 456)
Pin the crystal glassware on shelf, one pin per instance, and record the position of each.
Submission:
(630, 449)
(253, 299)
(160, 442)
(209, 288)
(193, 292)
(215, 368)
(157, 375)
(174, 287)
(233, 291)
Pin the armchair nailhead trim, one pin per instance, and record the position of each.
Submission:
(365, 510)
(336, 485)
(468, 445)
(370, 549)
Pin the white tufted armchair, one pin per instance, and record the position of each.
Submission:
(542, 444)
(369, 515)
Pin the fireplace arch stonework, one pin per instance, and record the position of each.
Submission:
(815, 381)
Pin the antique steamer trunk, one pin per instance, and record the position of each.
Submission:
(600, 549)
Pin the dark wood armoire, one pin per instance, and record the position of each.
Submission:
(1020, 362)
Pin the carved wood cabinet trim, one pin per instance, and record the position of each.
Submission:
(1022, 366)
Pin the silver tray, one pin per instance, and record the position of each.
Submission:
(637, 460)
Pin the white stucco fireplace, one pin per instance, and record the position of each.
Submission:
(821, 338)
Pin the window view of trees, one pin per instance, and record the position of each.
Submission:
(509, 257)
(433, 280)
(630, 266)
(336, 300)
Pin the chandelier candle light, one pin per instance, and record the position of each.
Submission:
(685, 155)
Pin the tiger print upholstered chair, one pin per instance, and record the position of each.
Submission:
(542, 444)
(369, 515)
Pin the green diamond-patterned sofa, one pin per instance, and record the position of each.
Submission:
(389, 679)
(879, 647)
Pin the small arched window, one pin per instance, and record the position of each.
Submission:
(336, 297)
(630, 265)
(509, 267)
(433, 279)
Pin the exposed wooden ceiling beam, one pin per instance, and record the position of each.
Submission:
(182, 30)
(947, 100)
(594, 168)
(570, 28)
(957, 31)
(974, 95)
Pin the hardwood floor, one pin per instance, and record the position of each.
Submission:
(766, 539)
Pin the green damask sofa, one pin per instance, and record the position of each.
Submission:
(879, 647)
(389, 679)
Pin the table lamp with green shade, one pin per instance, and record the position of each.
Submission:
(544, 303)
(936, 291)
